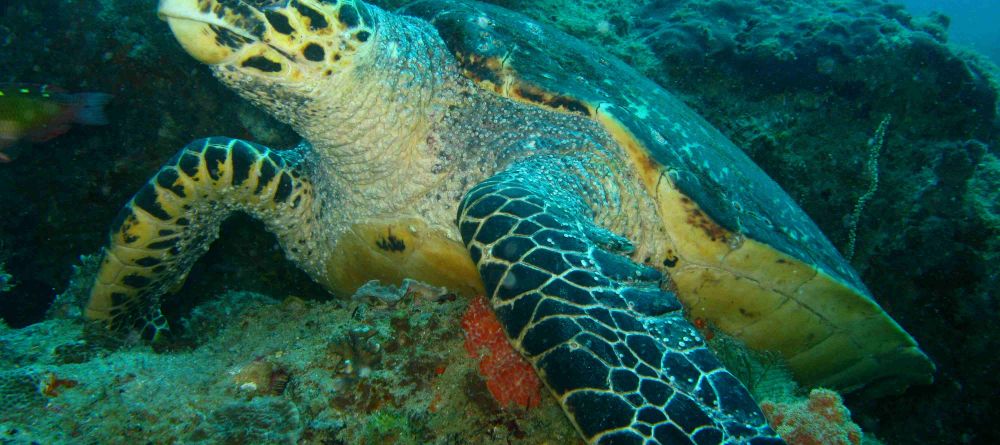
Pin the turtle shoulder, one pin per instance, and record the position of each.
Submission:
(744, 256)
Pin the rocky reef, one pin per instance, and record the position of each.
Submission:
(385, 366)
(802, 86)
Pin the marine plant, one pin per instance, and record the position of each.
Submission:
(871, 172)
(390, 425)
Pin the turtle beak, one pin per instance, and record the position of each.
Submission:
(207, 29)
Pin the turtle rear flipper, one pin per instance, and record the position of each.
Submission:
(171, 221)
(613, 348)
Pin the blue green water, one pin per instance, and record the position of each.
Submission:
(974, 23)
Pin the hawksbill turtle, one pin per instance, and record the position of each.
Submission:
(470, 147)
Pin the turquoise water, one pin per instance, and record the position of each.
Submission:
(973, 22)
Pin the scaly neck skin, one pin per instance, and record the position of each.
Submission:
(370, 127)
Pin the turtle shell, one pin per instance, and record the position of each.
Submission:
(745, 257)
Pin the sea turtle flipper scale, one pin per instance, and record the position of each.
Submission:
(614, 349)
(175, 216)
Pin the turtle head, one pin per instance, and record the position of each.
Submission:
(332, 69)
(271, 44)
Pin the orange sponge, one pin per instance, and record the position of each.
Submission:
(508, 376)
(821, 420)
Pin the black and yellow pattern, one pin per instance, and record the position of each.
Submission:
(745, 257)
(290, 39)
(408, 112)
(171, 221)
(614, 348)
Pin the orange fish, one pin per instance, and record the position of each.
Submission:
(37, 113)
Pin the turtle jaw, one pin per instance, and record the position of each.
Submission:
(210, 32)
(287, 41)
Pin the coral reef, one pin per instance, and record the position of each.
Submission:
(983, 195)
(820, 420)
(382, 367)
(508, 376)
(258, 420)
(115, 47)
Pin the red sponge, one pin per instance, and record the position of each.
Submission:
(508, 376)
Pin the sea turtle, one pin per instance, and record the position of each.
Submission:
(470, 147)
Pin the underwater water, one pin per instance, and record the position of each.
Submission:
(973, 22)
(863, 111)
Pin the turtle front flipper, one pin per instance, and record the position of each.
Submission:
(171, 221)
(611, 345)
